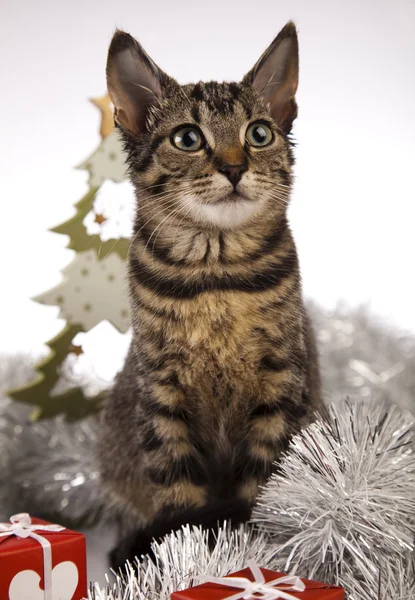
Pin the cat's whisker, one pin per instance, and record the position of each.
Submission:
(272, 191)
(150, 207)
(193, 180)
(272, 179)
(280, 191)
(280, 201)
(162, 195)
(169, 215)
(275, 184)
(187, 205)
(173, 215)
(109, 251)
(171, 203)
(169, 199)
(157, 210)
(289, 187)
(154, 215)
(160, 199)
(281, 197)
(183, 206)
(166, 202)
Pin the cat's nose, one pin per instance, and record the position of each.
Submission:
(233, 173)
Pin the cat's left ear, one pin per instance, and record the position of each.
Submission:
(135, 83)
(275, 77)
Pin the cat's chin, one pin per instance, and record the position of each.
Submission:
(229, 213)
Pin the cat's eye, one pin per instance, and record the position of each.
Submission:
(188, 139)
(259, 135)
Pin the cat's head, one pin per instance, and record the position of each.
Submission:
(217, 154)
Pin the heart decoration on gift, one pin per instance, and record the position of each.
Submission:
(29, 548)
(25, 585)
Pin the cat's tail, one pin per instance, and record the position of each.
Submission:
(212, 516)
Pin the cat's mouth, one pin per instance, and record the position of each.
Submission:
(232, 197)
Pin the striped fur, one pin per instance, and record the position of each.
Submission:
(222, 369)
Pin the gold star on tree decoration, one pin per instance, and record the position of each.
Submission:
(107, 116)
(100, 219)
(77, 350)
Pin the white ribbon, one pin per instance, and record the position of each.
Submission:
(270, 590)
(21, 525)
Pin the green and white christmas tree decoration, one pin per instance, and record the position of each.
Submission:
(107, 162)
(92, 291)
(93, 288)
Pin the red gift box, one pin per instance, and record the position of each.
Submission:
(25, 543)
(313, 590)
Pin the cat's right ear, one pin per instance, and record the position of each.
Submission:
(135, 83)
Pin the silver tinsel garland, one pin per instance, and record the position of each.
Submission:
(185, 554)
(180, 557)
(49, 468)
(343, 504)
(395, 581)
(362, 357)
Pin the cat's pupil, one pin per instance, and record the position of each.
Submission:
(189, 139)
(259, 134)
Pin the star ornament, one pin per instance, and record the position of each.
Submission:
(77, 350)
(107, 117)
(100, 219)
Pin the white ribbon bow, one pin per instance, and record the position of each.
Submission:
(21, 525)
(270, 590)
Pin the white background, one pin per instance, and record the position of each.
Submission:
(353, 206)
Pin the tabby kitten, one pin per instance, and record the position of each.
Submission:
(222, 368)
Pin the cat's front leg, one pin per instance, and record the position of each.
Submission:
(174, 470)
(281, 409)
(268, 438)
(171, 473)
